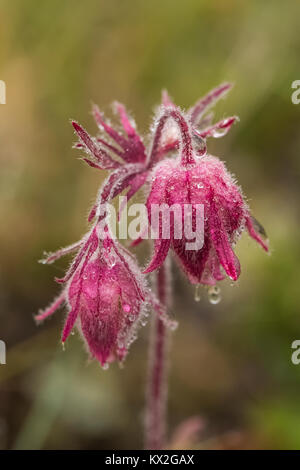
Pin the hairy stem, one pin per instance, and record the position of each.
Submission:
(185, 132)
(155, 425)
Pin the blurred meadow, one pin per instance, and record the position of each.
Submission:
(231, 362)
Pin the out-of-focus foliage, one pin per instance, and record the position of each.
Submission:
(231, 362)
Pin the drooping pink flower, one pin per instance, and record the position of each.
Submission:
(108, 300)
(192, 179)
(106, 297)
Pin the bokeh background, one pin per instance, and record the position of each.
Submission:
(231, 362)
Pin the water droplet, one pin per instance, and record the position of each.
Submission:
(200, 145)
(126, 308)
(111, 260)
(197, 296)
(214, 295)
(217, 133)
(173, 324)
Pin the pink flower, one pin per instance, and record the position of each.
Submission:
(106, 297)
(190, 179)
(108, 302)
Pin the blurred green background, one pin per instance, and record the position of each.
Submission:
(231, 362)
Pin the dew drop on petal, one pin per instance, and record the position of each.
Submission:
(126, 308)
(214, 295)
(217, 133)
(197, 296)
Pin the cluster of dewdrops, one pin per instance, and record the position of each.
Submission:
(214, 294)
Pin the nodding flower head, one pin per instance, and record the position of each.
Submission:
(105, 294)
(108, 302)
(191, 179)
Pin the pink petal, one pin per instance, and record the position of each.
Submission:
(257, 232)
(136, 149)
(225, 253)
(161, 248)
(92, 164)
(166, 100)
(71, 318)
(118, 249)
(137, 241)
(125, 120)
(135, 184)
(217, 130)
(114, 185)
(92, 212)
(101, 330)
(62, 252)
(110, 147)
(52, 308)
(163, 150)
(207, 101)
(216, 271)
(92, 245)
(103, 158)
(118, 138)
(192, 262)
